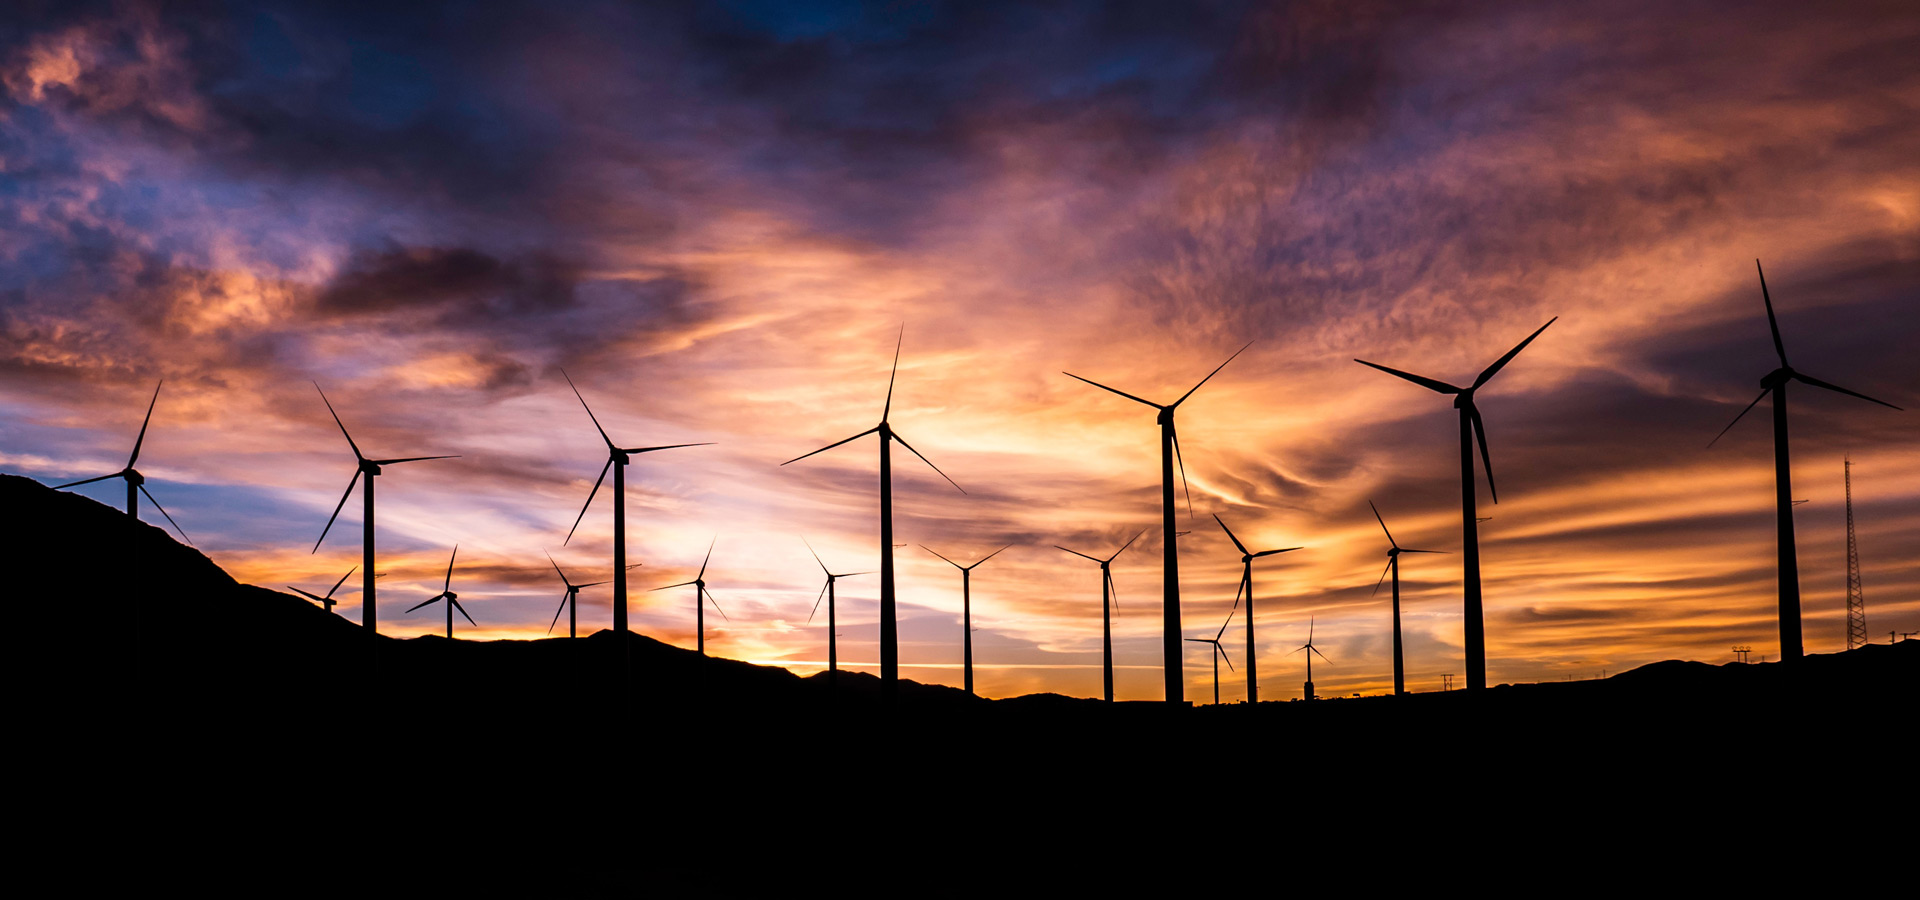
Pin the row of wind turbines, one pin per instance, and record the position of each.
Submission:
(1472, 434)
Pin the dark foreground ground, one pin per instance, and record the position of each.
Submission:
(270, 747)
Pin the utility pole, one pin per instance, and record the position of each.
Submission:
(1447, 683)
(1741, 652)
(1856, 598)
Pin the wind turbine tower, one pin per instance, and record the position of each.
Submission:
(1856, 598)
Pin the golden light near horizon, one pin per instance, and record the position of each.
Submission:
(719, 256)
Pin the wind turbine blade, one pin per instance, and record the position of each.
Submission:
(1799, 376)
(1405, 550)
(1316, 652)
(1129, 543)
(1216, 371)
(1113, 591)
(69, 484)
(1309, 631)
(463, 612)
(1230, 535)
(716, 606)
(391, 462)
(897, 341)
(667, 447)
(816, 556)
(709, 557)
(936, 553)
(583, 507)
(1115, 390)
(664, 587)
(590, 584)
(1480, 434)
(427, 602)
(336, 420)
(1383, 523)
(343, 580)
(1272, 552)
(1229, 620)
(1421, 380)
(163, 511)
(1077, 553)
(1736, 419)
(992, 555)
(143, 425)
(449, 583)
(557, 612)
(1223, 656)
(1502, 361)
(589, 409)
(903, 443)
(816, 601)
(336, 510)
(1778, 346)
(1178, 456)
(556, 569)
(320, 600)
(1237, 590)
(835, 444)
(1383, 578)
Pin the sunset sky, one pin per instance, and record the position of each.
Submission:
(717, 217)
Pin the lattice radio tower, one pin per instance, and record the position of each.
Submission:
(1856, 599)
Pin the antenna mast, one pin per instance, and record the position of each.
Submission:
(1856, 598)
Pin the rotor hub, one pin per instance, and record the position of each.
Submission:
(622, 457)
(1463, 400)
(1776, 378)
(1165, 417)
(368, 468)
(134, 478)
(1393, 552)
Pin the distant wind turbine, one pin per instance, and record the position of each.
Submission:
(1393, 565)
(833, 628)
(1246, 584)
(1308, 646)
(701, 597)
(617, 460)
(1219, 653)
(136, 482)
(889, 623)
(369, 612)
(327, 601)
(1170, 568)
(966, 606)
(1108, 594)
(1775, 383)
(570, 602)
(1471, 427)
(447, 594)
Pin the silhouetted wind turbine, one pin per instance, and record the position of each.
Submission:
(701, 597)
(1313, 650)
(1393, 565)
(889, 624)
(136, 482)
(617, 459)
(1246, 584)
(966, 606)
(369, 613)
(447, 594)
(1471, 427)
(1107, 594)
(327, 602)
(1170, 569)
(570, 601)
(1219, 653)
(833, 632)
(1775, 383)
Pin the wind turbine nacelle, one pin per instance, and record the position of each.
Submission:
(1463, 400)
(1777, 378)
(369, 469)
(134, 478)
(1165, 417)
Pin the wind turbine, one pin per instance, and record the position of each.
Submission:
(327, 601)
(1246, 584)
(1393, 565)
(369, 613)
(1108, 593)
(447, 594)
(1471, 428)
(136, 482)
(617, 459)
(570, 601)
(889, 624)
(1170, 574)
(833, 633)
(700, 593)
(966, 606)
(1219, 653)
(1310, 647)
(1775, 383)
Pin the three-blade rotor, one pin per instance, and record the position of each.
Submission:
(884, 429)
(615, 454)
(364, 466)
(133, 476)
(1166, 415)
